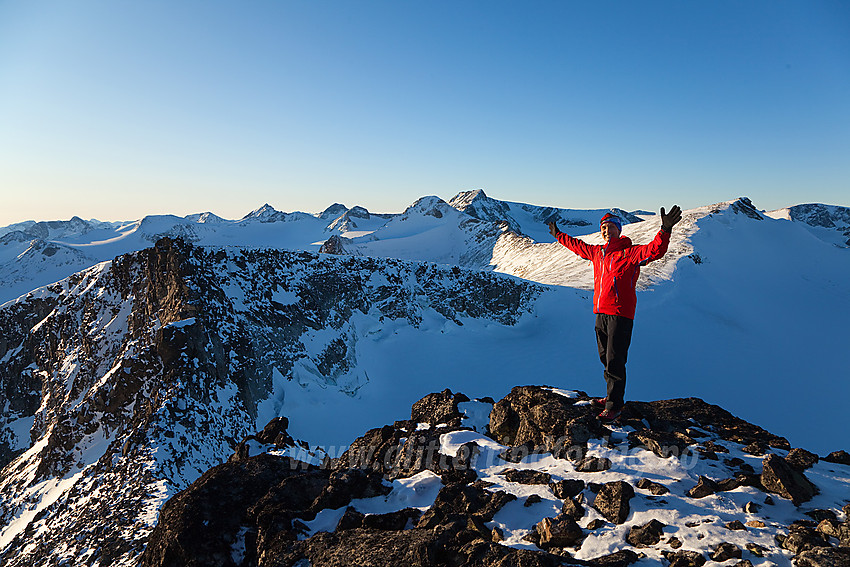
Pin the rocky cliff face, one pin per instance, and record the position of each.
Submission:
(122, 384)
(539, 483)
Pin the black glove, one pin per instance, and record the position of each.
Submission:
(553, 229)
(668, 220)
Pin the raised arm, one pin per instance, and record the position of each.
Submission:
(583, 249)
(658, 247)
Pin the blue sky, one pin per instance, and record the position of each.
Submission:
(115, 110)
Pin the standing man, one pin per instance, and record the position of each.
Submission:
(616, 266)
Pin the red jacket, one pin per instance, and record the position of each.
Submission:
(616, 266)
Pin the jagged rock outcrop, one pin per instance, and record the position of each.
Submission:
(781, 478)
(126, 382)
(466, 522)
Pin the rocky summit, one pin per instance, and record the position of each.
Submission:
(684, 486)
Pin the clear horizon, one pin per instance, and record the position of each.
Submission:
(118, 111)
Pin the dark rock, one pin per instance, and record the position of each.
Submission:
(274, 433)
(359, 546)
(755, 448)
(751, 507)
(621, 558)
(345, 485)
(744, 563)
(199, 523)
(595, 524)
(726, 551)
(800, 459)
(392, 521)
(728, 484)
(707, 454)
(839, 457)
(844, 534)
(654, 487)
(518, 453)
(769, 500)
(757, 550)
(661, 443)
(645, 535)
(801, 538)
(535, 415)
(612, 501)
(527, 476)
(376, 449)
(470, 500)
(674, 542)
(679, 415)
(421, 451)
(567, 488)
(572, 509)
(820, 515)
(735, 525)
(748, 479)
(351, 519)
(714, 447)
(778, 477)
(705, 486)
(437, 408)
(455, 476)
(829, 527)
(333, 245)
(824, 557)
(684, 558)
(532, 500)
(593, 464)
(558, 532)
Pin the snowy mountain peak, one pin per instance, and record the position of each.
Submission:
(827, 222)
(333, 212)
(744, 206)
(429, 206)
(266, 213)
(466, 198)
(204, 218)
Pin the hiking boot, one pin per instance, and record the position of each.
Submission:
(599, 403)
(609, 416)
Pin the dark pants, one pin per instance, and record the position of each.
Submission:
(613, 336)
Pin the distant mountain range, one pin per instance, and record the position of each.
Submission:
(135, 357)
(472, 230)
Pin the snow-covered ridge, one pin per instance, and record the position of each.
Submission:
(472, 230)
(123, 383)
(828, 222)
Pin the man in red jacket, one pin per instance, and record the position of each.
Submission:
(616, 266)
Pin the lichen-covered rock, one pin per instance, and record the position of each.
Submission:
(685, 558)
(654, 487)
(800, 459)
(645, 535)
(558, 532)
(725, 551)
(612, 501)
(567, 488)
(704, 487)
(824, 557)
(437, 408)
(542, 418)
(779, 477)
(841, 457)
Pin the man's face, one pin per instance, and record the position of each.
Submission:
(610, 231)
